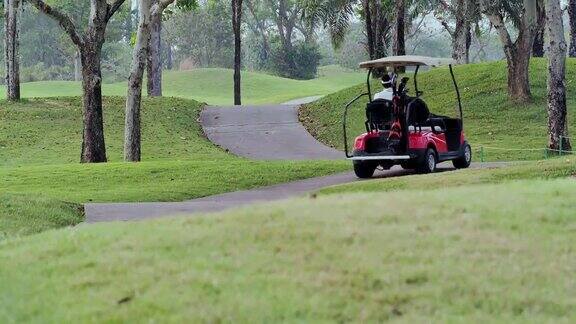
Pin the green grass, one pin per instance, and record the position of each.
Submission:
(489, 253)
(49, 131)
(542, 170)
(156, 181)
(40, 142)
(491, 120)
(28, 214)
(215, 86)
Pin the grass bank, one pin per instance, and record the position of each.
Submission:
(491, 120)
(40, 141)
(441, 255)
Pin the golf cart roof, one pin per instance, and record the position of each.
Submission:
(407, 60)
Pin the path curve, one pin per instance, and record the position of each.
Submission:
(257, 132)
(270, 132)
(142, 211)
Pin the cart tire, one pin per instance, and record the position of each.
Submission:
(364, 170)
(429, 162)
(465, 160)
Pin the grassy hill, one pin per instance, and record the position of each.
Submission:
(40, 143)
(413, 255)
(490, 245)
(214, 86)
(491, 120)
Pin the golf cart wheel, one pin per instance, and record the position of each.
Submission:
(364, 169)
(465, 160)
(428, 164)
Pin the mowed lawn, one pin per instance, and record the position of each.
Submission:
(494, 252)
(215, 86)
(40, 143)
(491, 120)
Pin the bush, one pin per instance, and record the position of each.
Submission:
(41, 72)
(299, 63)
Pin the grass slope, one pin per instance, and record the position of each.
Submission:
(490, 118)
(214, 86)
(29, 214)
(541, 170)
(39, 154)
(410, 256)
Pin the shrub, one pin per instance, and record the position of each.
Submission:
(299, 63)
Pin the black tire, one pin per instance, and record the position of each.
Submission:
(465, 160)
(429, 162)
(364, 169)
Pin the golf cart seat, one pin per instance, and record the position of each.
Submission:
(418, 114)
(379, 115)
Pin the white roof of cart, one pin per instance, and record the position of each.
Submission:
(407, 60)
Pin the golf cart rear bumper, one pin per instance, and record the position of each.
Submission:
(380, 158)
(413, 154)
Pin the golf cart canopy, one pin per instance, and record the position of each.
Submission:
(407, 60)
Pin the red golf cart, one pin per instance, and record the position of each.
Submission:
(402, 131)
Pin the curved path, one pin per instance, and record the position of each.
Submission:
(263, 133)
(257, 132)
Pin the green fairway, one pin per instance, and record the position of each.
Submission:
(158, 180)
(39, 152)
(548, 169)
(412, 256)
(29, 214)
(491, 120)
(215, 86)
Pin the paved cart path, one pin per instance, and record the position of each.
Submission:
(263, 133)
(257, 132)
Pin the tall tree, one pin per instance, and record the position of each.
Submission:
(557, 112)
(132, 132)
(378, 26)
(236, 25)
(464, 14)
(538, 47)
(89, 44)
(285, 15)
(572, 20)
(11, 49)
(400, 28)
(154, 64)
(518, 52)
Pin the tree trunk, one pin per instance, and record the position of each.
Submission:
(77, 67)
(518, 76)
(154, 56)
(381, 28)
(370, 38)
(518, 52)
(236, 25)
(132, 132)
(557, 112)
(93, 145)
(11, 49)
(538, 46)
(461, 35)
(399, 30)
(572, 15)
(89, 44)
